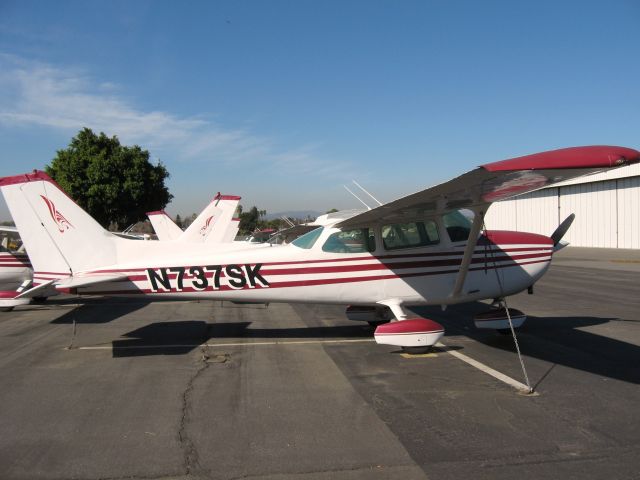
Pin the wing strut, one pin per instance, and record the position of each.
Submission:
(478, 221)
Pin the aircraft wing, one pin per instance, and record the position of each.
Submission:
(498, 181)
(7, 228)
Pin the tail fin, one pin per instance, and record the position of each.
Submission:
(60, 237)
(165, 228)
(219, 214)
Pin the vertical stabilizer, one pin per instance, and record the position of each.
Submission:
(213, 222)
(60, 237)
(165, 228)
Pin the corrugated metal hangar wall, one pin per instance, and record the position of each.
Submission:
(607, 208)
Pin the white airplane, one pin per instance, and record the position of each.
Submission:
(417, 250)
(215, 224)
(15, 269)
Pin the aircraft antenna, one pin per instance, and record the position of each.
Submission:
(362, 188)
(357, 197)
(287, 221)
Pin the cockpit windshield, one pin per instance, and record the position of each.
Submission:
(308, 239)
(458, 224)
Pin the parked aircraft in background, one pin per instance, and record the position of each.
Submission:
(215, 224)
(288, 235)
(15, 269)
(417, 250)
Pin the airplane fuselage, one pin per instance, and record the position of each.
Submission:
(504, 263)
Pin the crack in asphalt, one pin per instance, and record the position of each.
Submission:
(190, 452)
(139, 477)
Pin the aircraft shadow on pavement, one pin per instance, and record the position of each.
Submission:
(181, 337)
(163, 338)
(558, 340)
(95, 311)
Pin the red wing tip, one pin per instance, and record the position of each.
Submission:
(157, 212)
(25, 178)
(226, 197)
(597, 156)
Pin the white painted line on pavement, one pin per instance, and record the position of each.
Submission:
(521, 387)
(238, 344)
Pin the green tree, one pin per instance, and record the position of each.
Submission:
(116, 184)
(188, 220)
(249, 220)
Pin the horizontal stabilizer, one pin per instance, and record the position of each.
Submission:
(37, 290)
(89, 280)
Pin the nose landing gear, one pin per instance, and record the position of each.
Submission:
(497, 317)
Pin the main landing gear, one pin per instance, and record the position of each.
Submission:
(414, 335)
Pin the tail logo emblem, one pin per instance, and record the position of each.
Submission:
(63, 223)
(204, 230)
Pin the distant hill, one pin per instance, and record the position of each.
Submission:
(293, 214)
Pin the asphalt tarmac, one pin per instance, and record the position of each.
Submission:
(177, 390)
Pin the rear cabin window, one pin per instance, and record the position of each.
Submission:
(458, 225)
(357, 240)
(410, 235)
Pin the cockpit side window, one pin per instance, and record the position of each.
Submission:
(410, 235)
(458, 225)
(357, 240)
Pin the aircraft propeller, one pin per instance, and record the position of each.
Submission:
(557, 235)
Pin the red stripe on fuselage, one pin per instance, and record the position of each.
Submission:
(310, 282)
(364, 267)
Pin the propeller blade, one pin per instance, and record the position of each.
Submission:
(562, 229)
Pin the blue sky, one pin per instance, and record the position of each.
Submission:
(283, 102)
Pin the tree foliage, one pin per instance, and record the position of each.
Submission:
(250, 220)
(116, 184)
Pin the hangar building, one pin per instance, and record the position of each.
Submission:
(607, 208)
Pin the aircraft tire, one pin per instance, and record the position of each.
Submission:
(376, 323)
(416, 350)
(39, 300)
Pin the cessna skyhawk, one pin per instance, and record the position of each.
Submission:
(417, 250)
